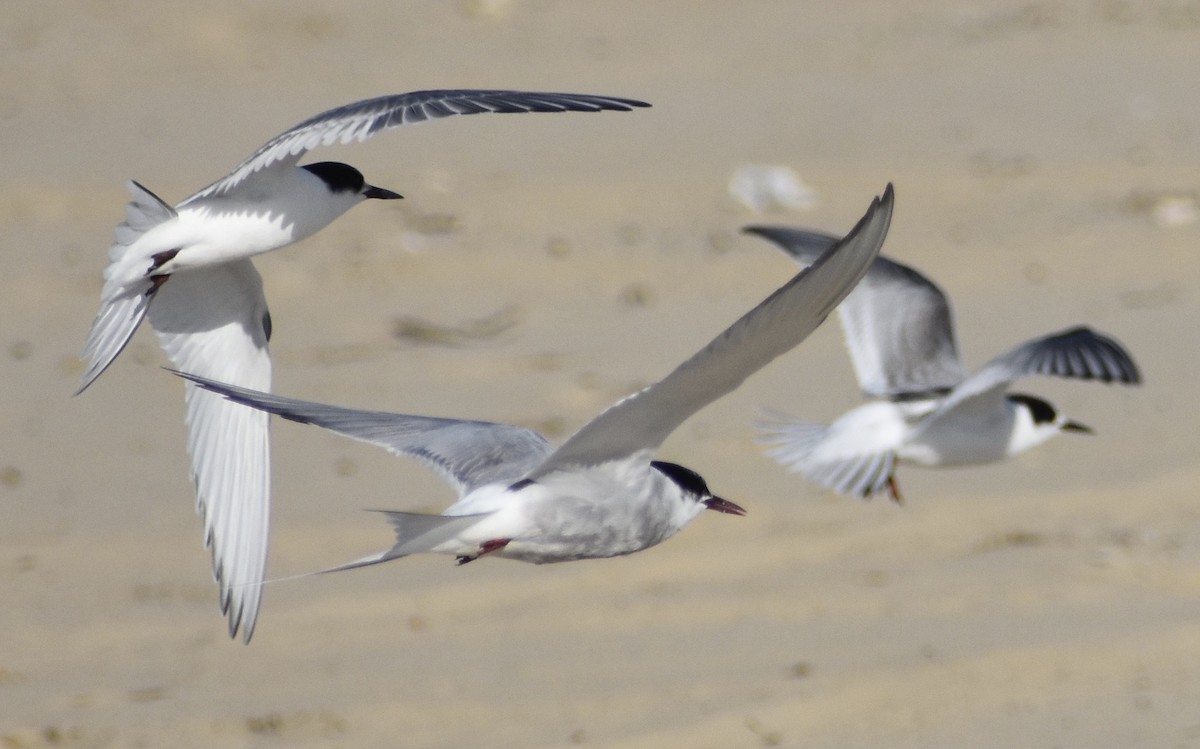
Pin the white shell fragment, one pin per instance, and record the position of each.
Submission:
(770, 188)
(1171, 211)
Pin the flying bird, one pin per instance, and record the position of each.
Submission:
(187, 269)
(922, 407)
(601, 493)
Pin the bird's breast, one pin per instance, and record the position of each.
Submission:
(581, 516)
(955, 439)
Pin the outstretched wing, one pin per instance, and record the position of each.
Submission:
(643, 420)
(897, 322)
(214, 321)
(469, 454)
(1078, 353)
(362, 119)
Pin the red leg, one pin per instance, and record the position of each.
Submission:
(894, 491)
(487, 547)
(160, 259)
(496, 544)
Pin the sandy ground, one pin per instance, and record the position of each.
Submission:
(1045, 159)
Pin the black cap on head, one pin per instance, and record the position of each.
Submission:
(338, 176)
(695, 486)
(1041, 411)
(685, 478)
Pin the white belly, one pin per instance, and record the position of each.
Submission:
(958, 440)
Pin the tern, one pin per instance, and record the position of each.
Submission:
(187, 269)
(601, 493)
(922, 407)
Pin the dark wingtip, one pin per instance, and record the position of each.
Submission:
(201, 382)
(184, 375)
(619, 104)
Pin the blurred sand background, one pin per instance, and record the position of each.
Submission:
(1045, 157)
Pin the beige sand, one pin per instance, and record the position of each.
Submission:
(1036, 150)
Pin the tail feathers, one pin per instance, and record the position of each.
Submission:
(418, 533)
(860, 476)
(126, 289)
(796, 445)
(114, 326)
(142, 214)
(793, 441)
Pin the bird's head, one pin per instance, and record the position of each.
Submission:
(1039, 421)
(343, 179)
(695, 488)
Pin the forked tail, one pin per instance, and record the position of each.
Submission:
(789, 442)
(417, 533)
(126, 294)
(797, 446)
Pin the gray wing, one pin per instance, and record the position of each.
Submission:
(897, 322)
(643, 420)
(1078, 353)
(469, 454)
(363, 119)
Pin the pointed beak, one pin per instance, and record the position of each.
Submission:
(724, 505)
(371, 191)
(1075, 426)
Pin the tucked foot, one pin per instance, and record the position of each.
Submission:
(487, 547)
(160, 259)
(894, 491)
